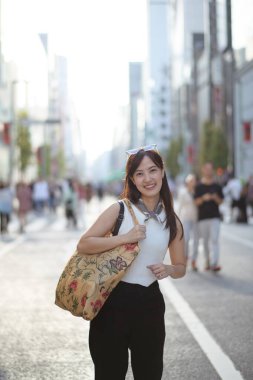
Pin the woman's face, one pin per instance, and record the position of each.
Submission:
(148, 178)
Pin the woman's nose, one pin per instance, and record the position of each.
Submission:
(146, 177)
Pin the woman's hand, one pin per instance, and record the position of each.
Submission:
(136, 234)
(161, 270)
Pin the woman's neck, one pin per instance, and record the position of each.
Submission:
(150, 203)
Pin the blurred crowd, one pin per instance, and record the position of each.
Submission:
(203, 202)
(46, 196)
(238, 195)
(200, 201)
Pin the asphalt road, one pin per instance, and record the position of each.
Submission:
(208, 316)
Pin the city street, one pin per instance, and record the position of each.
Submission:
(208, 315)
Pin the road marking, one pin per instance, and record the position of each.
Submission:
(238, 239)
(220, 361)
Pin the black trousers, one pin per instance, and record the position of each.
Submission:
(131, 319)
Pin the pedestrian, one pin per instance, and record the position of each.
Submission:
(89, 192)
(100, 191)
(208, 196)
(187, 212)
(24, 197)
(133, 316)
(233, 190)
(40, 195)
(70, 202)
(242, 204)
(250, 194)
(6, 206)
(54, 195)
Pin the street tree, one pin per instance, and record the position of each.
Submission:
(173, 156)
(23, 142)
(61, 163)
(219, 148)
(205, 143)
(213, 146)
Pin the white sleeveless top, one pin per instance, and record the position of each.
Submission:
(152, 249)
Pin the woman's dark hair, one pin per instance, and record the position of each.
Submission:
(131, 192)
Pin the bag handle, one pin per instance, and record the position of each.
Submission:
(119, 219)
(129, 206)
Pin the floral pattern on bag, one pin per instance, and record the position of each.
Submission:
(88, 280)
(118, 264)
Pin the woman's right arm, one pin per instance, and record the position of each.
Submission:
(94, 240)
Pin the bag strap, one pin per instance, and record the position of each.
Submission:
(119, 218)
(129, 206)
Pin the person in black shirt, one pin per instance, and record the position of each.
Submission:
(208, 196)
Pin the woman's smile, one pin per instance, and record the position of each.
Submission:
(150, 187)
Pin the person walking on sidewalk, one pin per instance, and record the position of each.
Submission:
(187, 212)
(70, 202)
(208, 196)
(133, 316)
(6, 206)
(24, 196)
(233, 190)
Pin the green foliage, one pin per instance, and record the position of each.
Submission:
(23, 142)
(219, 148)
(214, 147)
(61, 163)
(174, 152)
(205, 143)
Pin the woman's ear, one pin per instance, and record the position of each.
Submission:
(163, 173)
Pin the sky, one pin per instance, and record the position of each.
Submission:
(242, 12)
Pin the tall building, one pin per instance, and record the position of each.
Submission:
(215, 93)
(136, 103)
(62, 129)
(244, 121)
(243, 87)
(158, 100)
(187, 46)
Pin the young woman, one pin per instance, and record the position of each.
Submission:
(133, 316)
